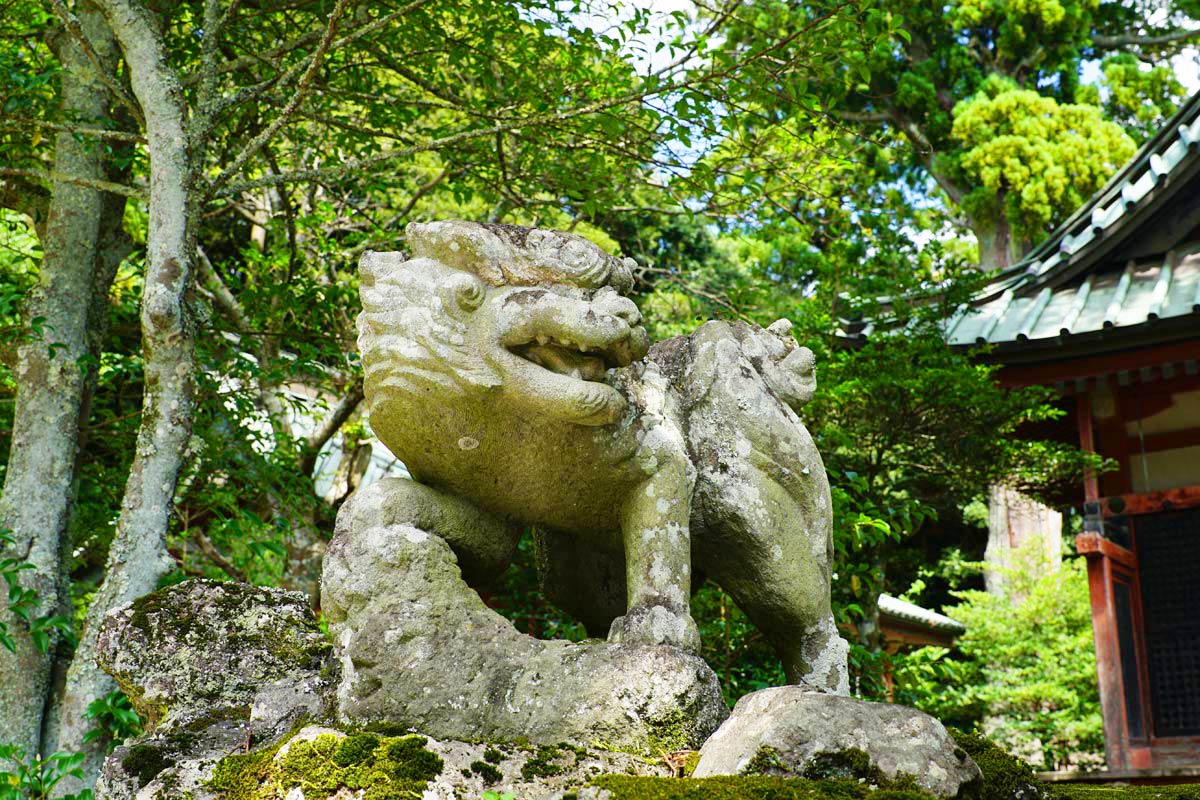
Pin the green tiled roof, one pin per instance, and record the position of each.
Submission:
(1078, 281)
(915, 614)
(1139, 294)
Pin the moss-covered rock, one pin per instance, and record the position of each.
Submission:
(759, 787)
(214, 668)
(145, 761)
(201, 647)
(1005, 777)
(790, 732)
(1077, 791)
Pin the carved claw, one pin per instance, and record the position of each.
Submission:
(655, 625)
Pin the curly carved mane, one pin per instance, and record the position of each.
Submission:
(412, 330)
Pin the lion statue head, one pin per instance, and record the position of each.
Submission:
(536, 318)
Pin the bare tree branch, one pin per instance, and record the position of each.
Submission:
(214, 555)
(90, 183)
(258, 58)
(550, 117)
(257, 89)
(281, 119)
(330, 426)
(863, 116)
(1135, 40)
(211, 281)
(17, 123)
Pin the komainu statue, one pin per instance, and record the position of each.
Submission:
(507, 370)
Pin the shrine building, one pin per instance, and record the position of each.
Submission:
(1107, 311)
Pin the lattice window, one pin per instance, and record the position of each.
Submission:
(1168, 547)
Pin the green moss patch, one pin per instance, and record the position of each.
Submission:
(625, 787)
(541, 764)
(145, 761)
(355, 749)
(244, 776)
(850, 763)
(1004, 777)
(487, 772)
(382, 768)
(1078, 791)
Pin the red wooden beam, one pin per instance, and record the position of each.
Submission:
(1151, 502)
(1046, 374)
(1093, 544)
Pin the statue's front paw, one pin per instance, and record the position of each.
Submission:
(652, 625)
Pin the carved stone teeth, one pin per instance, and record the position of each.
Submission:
(564, 342)
(542, 338)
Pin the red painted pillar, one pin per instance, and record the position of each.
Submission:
(1104, 618)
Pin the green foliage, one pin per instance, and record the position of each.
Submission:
(114, 718)
(742, 659)
(23, 604)
(36, 777)
(896, 107)
(1138, 97)
(518, 597)
(1027, 669)
(1031, 159)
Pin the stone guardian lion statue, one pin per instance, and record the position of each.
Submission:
(507, 370)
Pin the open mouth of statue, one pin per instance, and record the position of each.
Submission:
(574, 359)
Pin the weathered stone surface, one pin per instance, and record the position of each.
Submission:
(212, 668)
(316, 762)
(504, 367)
(420, 649)
(787, 731)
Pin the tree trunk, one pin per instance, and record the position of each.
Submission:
(1024, 542)
(59, 732)
(39, 483)
(138, 557)
(997, 250)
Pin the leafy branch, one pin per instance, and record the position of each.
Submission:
(23, 604)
